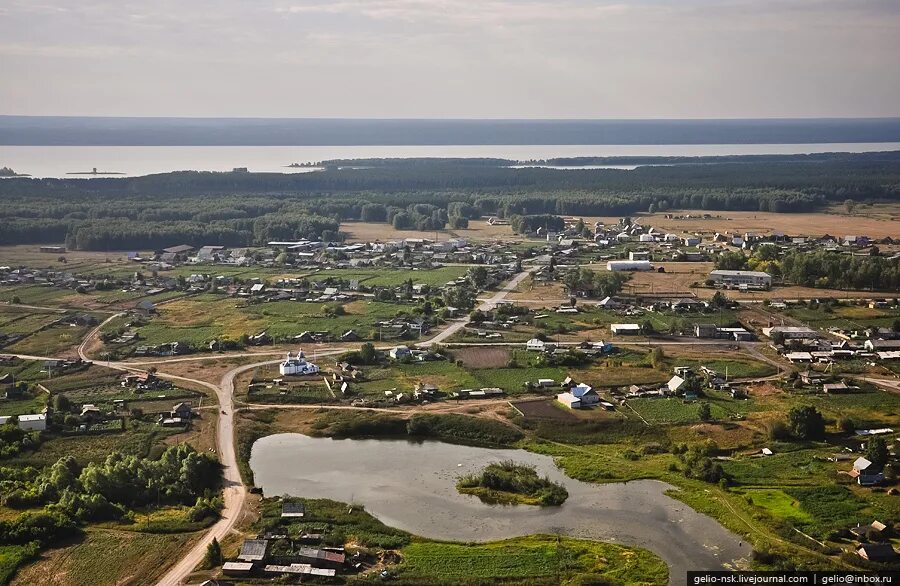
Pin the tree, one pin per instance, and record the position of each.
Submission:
(367, 353)
(719, 300)
(849, 205)
(704, 412)
(806, 423)
(656, 357)
(479, 277)
(877, 451)
(213, 557)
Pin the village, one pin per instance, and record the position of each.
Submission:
(612, 329)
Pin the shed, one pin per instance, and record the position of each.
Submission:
(254, 550)
(293, 509)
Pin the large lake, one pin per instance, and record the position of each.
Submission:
(60, 161)
(412, 486)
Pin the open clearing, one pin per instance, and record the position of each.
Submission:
(105, 558)
(876, 222)
(478, 230)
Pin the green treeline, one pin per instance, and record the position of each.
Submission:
(839, 271)
(242, 209)
(71, 494)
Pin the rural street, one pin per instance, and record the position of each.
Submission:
(486, 305)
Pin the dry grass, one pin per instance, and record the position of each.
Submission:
(875, 221)
(106, 558)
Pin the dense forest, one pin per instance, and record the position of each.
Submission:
(240, 209)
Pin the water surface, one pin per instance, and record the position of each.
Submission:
(59, 161)
(412, 486)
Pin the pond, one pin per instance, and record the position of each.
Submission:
(412, 486)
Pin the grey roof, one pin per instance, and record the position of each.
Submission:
(254, 549)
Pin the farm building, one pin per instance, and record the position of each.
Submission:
(791, 332)
(754, 278)
(292, 509)
(36, 422)
(296, 364)
(254, 550)
(625, 329)
(629, 265)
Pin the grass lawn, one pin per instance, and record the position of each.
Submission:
(50, 342)
(673, 410)
(537, 559)
(777, 503)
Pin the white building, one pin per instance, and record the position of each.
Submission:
(625, 329)
(535, 344)
(755, 278)
(296, 364)
(629, 265)
(36, 422)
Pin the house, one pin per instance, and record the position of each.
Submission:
(811, 377)
(732, 278)
(254, 550)
(585, 394)
(860, 531)
(569, 400)
(297, 365)
(882, 345)
(675, 383)
(182, 411)
(349, 336)
(625, 329)
(400, 352)
(145, 308)
(866, 473)
(535, 344)
(292, 509)
(877, 552)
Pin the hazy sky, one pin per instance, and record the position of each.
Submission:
(451, 58)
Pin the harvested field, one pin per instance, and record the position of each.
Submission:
(477, 230)
(875, 221)
(483, 357)
(545, 410)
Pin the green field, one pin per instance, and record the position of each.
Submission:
(538, 560)
(11, 557)
(200, 319)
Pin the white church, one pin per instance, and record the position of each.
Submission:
(297, 364)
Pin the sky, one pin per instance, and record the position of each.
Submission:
(451, 58)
